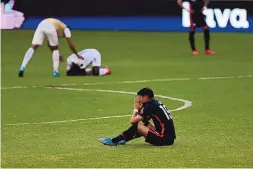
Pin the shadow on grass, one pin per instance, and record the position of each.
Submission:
(145, 146)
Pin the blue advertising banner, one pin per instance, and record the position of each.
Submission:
(176, 23)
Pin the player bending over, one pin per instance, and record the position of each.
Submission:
(146, 108)
(78, 67)
(198, 20)
(52, 29)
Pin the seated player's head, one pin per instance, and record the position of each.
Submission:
(145, 95)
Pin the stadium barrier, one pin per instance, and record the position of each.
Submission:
(225, 23)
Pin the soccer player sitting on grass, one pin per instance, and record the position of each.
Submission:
(52, 29)
(146, 108)
(78, 67)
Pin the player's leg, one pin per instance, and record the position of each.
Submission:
(207, 40)
(125, 136)
(36, 42)
(152, 136)
(192, 34)
(192, 40)
(61, 57)
(97, 70)
(56, 60)
(53, 45)
(129, 134)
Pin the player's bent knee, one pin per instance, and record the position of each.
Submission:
(52, 48)
(34, 46)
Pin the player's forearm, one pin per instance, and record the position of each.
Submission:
(73, 48)
(135, 111)
(71, 45)
(136, 117)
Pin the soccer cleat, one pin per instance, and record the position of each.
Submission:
(107, 141)
(21, 72)
(209, 52)
(56, 74)
(122, 142)
(108, 70)
(195, 52)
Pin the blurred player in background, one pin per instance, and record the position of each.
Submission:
(78, 67)
(52, 29)
(146, 108)
(198, 20)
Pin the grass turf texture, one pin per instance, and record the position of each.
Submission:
(215, 132)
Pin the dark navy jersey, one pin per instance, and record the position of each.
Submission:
(196, 5)
(161, 117)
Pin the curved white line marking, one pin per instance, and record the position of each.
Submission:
(187, 104)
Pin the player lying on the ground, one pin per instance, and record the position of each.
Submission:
(52, 29)
(78, 67)
(146, 108)
(197, 19)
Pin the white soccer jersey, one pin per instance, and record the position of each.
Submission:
(91, 56)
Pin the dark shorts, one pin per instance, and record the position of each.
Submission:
(198, 20)
(156, 139)
(75, 70)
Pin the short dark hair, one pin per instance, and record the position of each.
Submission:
(146, 92)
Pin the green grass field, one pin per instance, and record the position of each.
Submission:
(216, 131)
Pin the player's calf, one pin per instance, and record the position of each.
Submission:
(28, 56)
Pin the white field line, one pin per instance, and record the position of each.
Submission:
(137, 81)
(66, 121)
(225, 77)
(13, 87)
(187, 104)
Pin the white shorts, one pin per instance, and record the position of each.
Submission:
(91, 56)
(48, 30)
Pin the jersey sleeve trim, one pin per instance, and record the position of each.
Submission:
(67, 32)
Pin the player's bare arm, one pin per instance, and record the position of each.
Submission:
(136, 119)
(72, 47)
